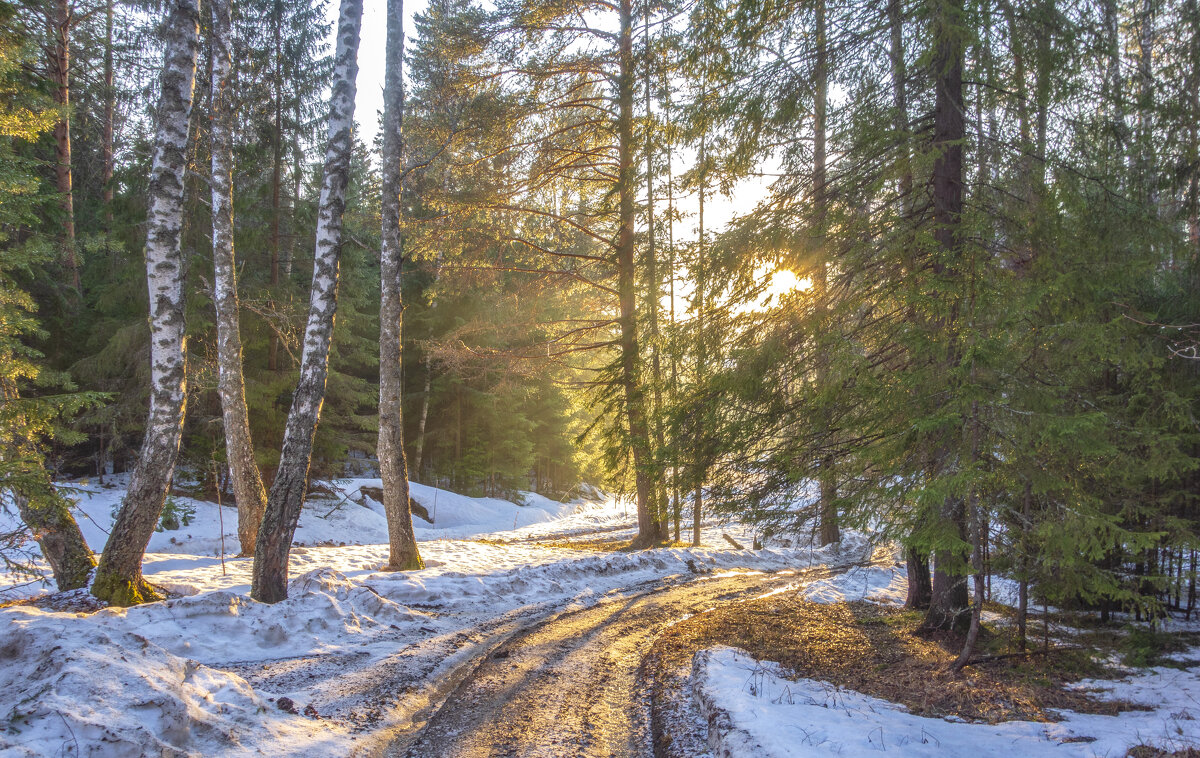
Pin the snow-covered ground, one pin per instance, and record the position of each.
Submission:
(355, 652)
(357, 649)
(756, 710)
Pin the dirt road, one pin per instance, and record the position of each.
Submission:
(571, 686)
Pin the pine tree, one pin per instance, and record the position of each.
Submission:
(26, 424)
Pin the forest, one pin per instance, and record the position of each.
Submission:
(947, 293)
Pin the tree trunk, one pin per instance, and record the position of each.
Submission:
(919, 588)
(402, 543)
(829, 531)
(110, 107)
(47, 513)
(676, 494)
(269, 584)
(949, 603)
(419, 445)
(248, 488)
(650, 527)
(60, 76)
(900, 100)
(659, 482)
(977, 521)
(276, 173)
(119, 575)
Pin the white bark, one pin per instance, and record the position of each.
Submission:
(287, 492)
(119, 575)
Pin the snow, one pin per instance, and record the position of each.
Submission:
(360, 652)
(202, 673)
(778, 717)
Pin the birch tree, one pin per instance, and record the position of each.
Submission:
(274, 543)
(393, 467)
(248, 488)
(119, 575)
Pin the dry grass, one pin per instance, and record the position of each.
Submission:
(875, 650)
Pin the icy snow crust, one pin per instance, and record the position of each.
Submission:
(203, 674)
(753, 709)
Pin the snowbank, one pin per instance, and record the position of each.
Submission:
(80, 689)
(753, 709)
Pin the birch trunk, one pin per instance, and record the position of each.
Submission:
(650, 527)
(393, 467)
(248, 490)
(269, 584)
(119, 575)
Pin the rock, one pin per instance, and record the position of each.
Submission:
(287, 705)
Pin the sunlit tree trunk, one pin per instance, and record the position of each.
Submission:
(650, 527)
(62, 19)
(402, 543)
(701, 282)
(248, 490)
(119, 575)
(829, 531)
(286, 498)
(676, 495)
(422, 420)
(659, 482)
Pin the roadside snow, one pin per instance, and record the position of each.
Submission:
(360, 650)
(760, 712)
(753, 709)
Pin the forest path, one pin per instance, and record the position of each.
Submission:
(572, 686)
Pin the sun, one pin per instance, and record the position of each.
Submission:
(784, 281)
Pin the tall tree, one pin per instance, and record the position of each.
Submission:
(393, 467)
(119, 575)
(949, 602)
(26, 424)
(651, 526)
(286, 498)
(248, 489)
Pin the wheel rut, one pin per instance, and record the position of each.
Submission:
(572, 686)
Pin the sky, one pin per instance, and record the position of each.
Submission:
(718, 211)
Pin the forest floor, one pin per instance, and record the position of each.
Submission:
(532, 632)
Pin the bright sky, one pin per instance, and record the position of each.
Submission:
(719, 210)
(371, 57)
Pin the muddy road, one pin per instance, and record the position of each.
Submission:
(572, 686)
